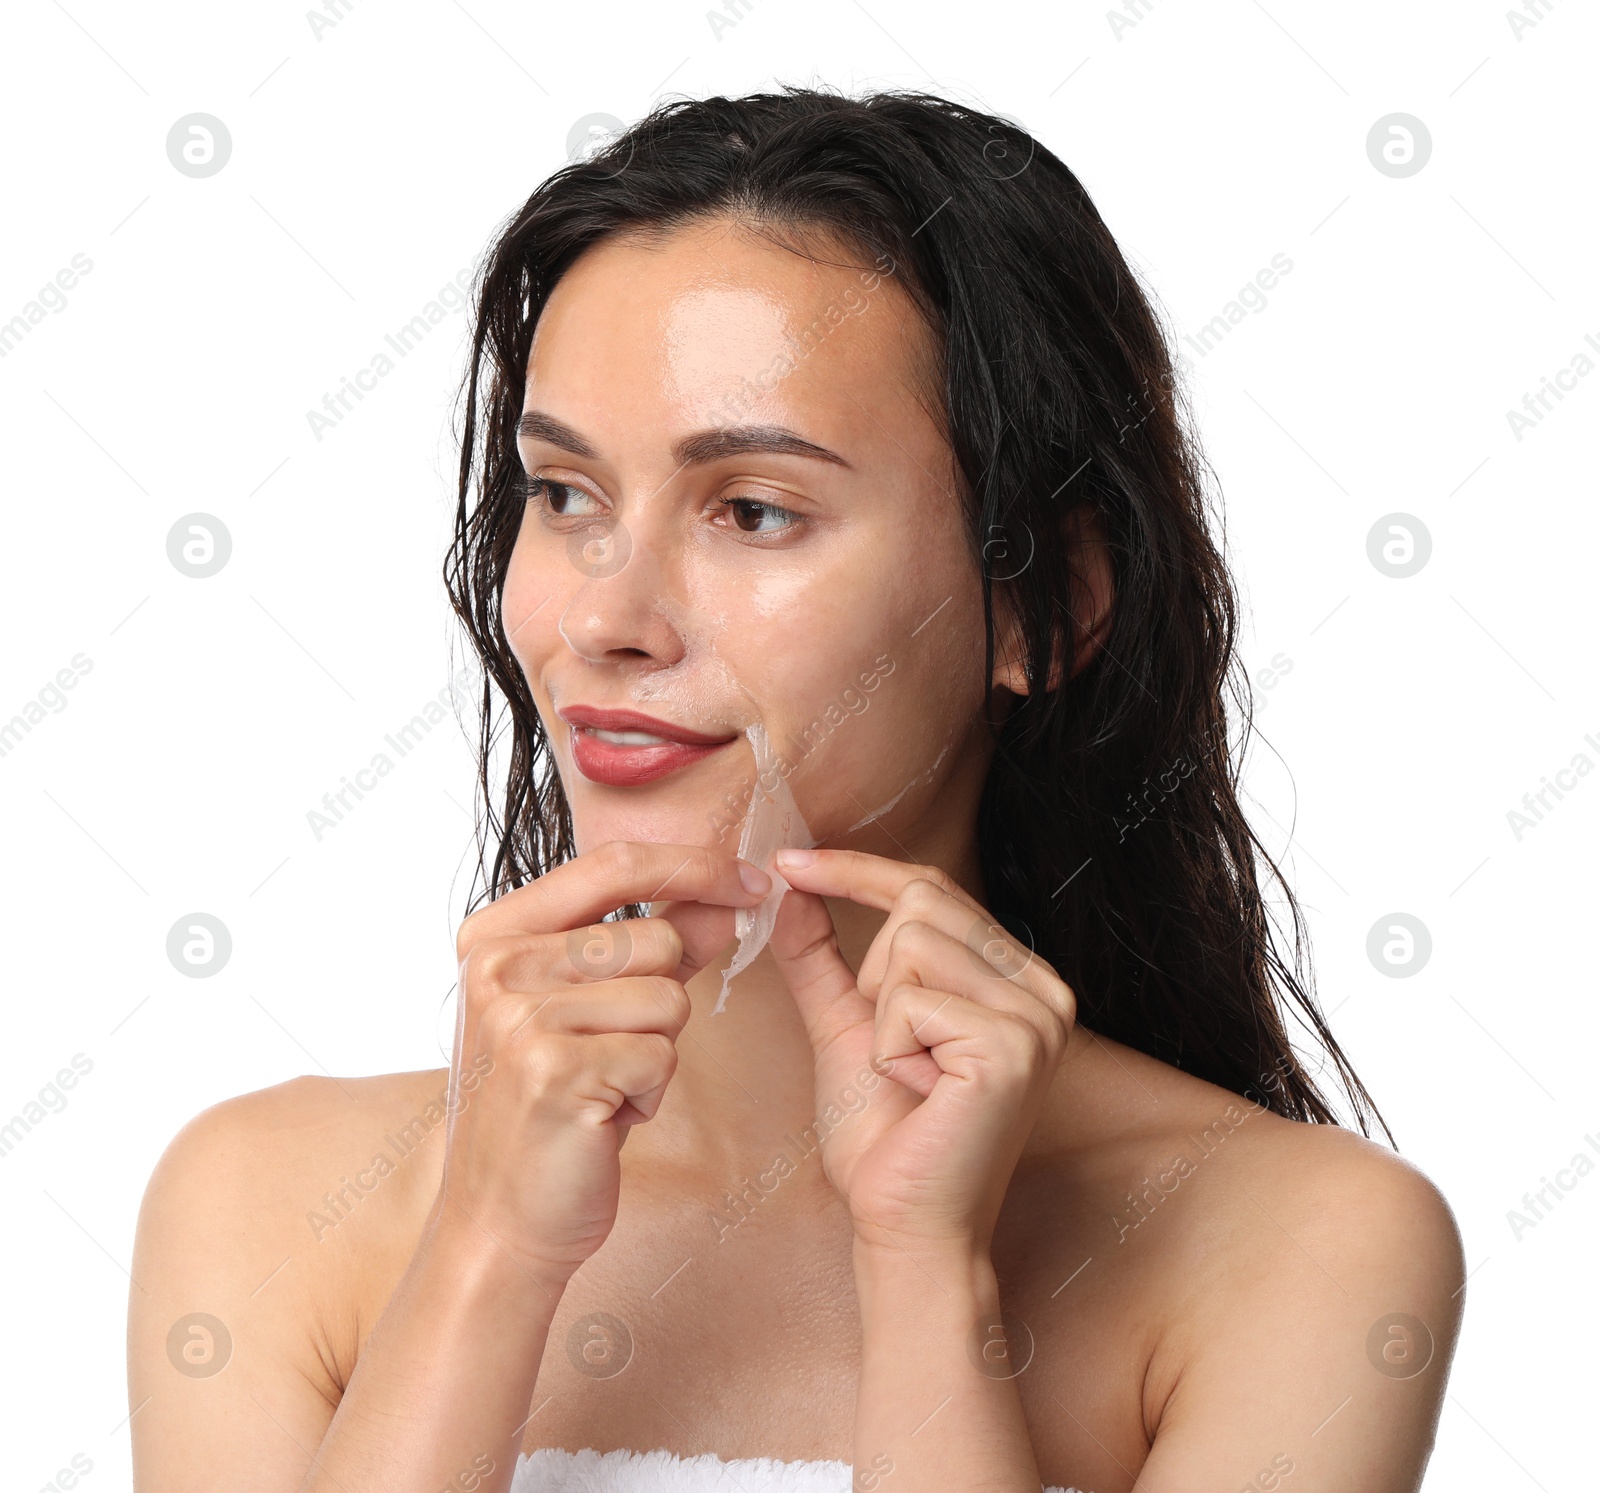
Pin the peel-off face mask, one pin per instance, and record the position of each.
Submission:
(706, 688)
(772, 822)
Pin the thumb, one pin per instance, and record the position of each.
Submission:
(806, 950)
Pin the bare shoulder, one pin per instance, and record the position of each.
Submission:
(1147, 1131)
(280, 1204)
(1315, 1196)
(268, 1241)
(293, 1142)
(1216, 1283)
(1305, 1267)
(1343, 1189)
(1254, 1187)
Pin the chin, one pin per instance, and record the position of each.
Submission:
(663, 821)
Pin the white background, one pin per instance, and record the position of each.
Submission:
(372, 163)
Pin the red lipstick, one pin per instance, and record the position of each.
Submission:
(623, 748)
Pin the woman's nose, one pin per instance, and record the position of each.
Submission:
(621, 605)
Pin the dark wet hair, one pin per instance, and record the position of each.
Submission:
(1111, 835)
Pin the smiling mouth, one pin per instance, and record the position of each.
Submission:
(623, 749)
(624, 738)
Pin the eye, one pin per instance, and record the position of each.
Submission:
(563, 499)
(751, 516)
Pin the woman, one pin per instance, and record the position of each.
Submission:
(824, 484)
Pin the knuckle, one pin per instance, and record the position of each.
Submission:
(930, 886)
(662, 1053)
(501, 1019)
(909, 935)
(658, 945)
(467, 935)
(550, 1065)
(672, 943)
(622, 860)
(483, 969)
(1022, 1041)
(895, 996)
(914, 897)
(597, 951)
(667, 993)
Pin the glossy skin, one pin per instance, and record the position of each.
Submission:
(774, 608)
(1201, 1282)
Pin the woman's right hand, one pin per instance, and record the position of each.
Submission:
(565, 1037)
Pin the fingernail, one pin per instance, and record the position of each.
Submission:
(795, 859)
(754, 879)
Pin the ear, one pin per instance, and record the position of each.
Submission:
(1093, 589)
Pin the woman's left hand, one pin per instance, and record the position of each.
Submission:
(965, 1027)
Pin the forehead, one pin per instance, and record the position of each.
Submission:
(713, 317)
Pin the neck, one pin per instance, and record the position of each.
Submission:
(744, 1084)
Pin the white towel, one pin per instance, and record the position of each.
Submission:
(552, 1470)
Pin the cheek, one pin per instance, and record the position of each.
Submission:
(868, 682)
(531, 602)
(891, 733)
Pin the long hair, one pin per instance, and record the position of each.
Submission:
(1111, 836)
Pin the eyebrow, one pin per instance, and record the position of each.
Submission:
(700, 447)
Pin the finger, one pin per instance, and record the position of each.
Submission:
(600, 951)
(924, 901)
(678, 939)
(871, 880)
(704, 931)
(617, 1068)
(918, 1026)
(643, 1003)
(614, 875)
(920, 954)
(806, 950)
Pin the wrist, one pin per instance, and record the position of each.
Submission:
(876, 1248)
(956, 1273)
(481, 1264)
(942, 1312)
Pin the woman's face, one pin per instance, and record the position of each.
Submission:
(742, 514)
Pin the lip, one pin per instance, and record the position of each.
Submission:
(624, 766)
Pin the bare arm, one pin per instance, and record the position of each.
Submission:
(937, 1406)
(564, 1040)
(954, 1036)
(1321, 1336)
(225, 1380)
(1319, 1360)
(441, 1392)
(1315, 1350)
(231, 1376)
